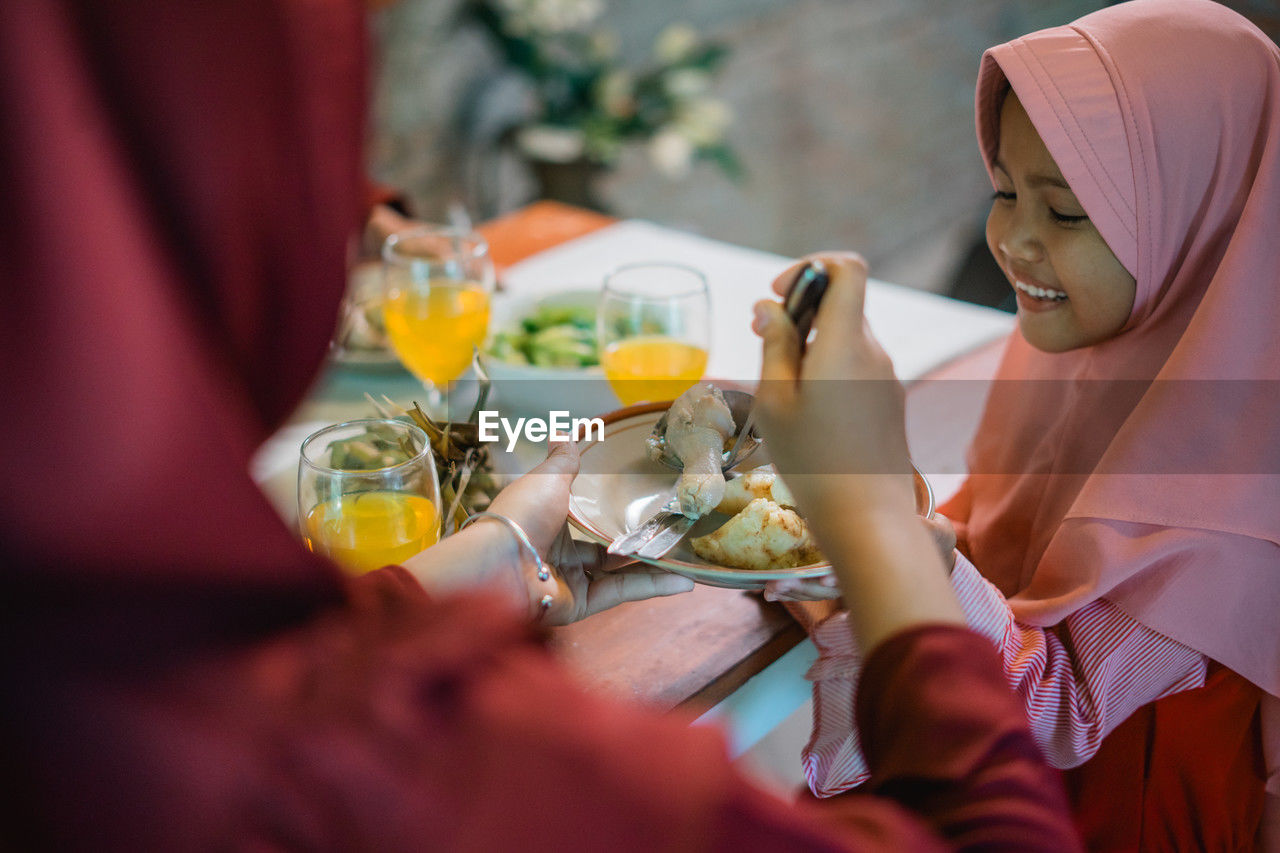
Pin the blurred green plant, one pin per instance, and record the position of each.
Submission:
(588, 105)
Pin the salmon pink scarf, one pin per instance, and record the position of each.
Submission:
(1089, 479)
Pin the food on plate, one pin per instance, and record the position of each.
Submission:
(361, 334)
(554, 335)
(699, 424)
(360, 327)
(762, 482)
(763, 536)
(764, 531)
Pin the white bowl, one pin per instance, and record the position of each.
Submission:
(528, 390)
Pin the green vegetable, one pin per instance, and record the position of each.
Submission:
(552, 336)
(369, 452)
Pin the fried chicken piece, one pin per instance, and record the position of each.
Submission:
(762, 536)
(698, 424)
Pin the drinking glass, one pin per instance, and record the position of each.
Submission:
(367, 493)
(653, 322)
(436, 285)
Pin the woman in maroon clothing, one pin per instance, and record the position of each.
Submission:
(180, 185)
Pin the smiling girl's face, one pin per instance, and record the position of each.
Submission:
(1072, 291)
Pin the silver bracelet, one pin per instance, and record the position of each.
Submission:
(522, 538)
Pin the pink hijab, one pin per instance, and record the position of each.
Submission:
(1089, 479)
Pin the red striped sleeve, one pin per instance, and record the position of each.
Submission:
(1077, 682)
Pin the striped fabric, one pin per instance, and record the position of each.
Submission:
(1077, 681)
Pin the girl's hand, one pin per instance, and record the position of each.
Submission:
(584, 580)
(944, 536)
(826, 588)
(835, 421)
(835, 426)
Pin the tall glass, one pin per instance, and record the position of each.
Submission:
(367, 493)
(437, 281)
(654, 328)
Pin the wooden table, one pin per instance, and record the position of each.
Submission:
(693, 650)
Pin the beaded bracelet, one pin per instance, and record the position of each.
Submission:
(544, 604)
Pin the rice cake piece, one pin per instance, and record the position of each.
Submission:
(745, 488)
(762, 482)
(763, 536)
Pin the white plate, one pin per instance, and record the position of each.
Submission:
(619, 487)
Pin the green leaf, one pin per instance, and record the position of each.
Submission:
(707, 57)
(723, 156)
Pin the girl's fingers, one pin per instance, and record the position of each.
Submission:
(944, 533)
(780, 366)
(842, 307)
(782, 283)
(814, 589)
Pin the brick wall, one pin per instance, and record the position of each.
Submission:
(854, 121)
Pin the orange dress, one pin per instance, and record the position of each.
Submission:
(1183, 773)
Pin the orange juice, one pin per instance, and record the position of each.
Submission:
(364, 531)
(434, 329)
(652, 367)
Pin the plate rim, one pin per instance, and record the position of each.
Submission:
(703, 572)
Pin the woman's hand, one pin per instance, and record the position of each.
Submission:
(383, 221)
(584, 579)
(539, 500)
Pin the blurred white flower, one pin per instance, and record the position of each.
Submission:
(549, 16)
(604, 45)
(616, 94)
(551, 143)
(704, 120)
(671, 152)
(675, 43)
(585, 104)
(687, 83)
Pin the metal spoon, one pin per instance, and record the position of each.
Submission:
(745, 441)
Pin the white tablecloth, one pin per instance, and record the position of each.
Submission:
(919, 330)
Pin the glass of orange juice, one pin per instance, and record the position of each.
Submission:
(367, 493)
(436, 286)
(653, 323)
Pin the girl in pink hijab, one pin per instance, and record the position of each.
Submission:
(1118, 532)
